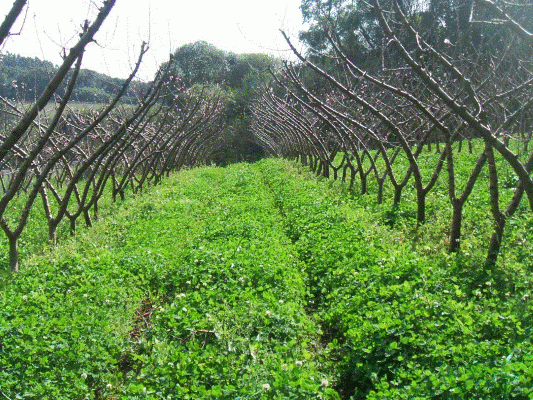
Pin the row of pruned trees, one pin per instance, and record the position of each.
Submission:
(68, 158)
(419, 88)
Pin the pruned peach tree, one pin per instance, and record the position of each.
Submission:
(402, 75)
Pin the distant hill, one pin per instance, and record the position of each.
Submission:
(25, 78)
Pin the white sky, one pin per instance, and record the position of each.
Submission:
(240, 26)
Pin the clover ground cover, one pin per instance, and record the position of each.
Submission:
(260, 281)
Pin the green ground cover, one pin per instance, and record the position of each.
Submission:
(262, 282)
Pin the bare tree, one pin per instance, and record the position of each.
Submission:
(86, 36)
(426, 90)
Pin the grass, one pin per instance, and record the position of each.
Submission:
(262, 282)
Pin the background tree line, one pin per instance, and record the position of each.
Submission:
(237, 78)
(25, 78)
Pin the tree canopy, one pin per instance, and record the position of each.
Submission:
(237, 78)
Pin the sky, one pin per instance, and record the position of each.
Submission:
(240, 26)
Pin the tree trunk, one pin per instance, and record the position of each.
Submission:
(336, 172)
(325, 169)
(13, 253)
(455, 228)
(397, 195)
(499, 217)
(95, 210)
(52, 232)
(344, 172)
(380, 191)
(495, 243)
(73, 226)
(420, 207)
(87, 216)
(363, 181)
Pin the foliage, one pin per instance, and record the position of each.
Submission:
(226, 299)
(260, 281)
(200, 62)
(237, 78)
(354, 25)
(404, 319)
